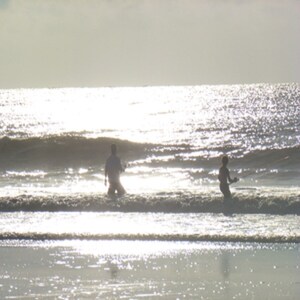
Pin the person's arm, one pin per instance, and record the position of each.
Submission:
(121, 168)
(229, 178)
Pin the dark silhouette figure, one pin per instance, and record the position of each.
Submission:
(113, 169)
(225, 180)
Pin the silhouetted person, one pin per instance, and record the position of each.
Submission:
(225, 179)
(113, 169)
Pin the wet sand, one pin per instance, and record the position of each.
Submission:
(148, 270)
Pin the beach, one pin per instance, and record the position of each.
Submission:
(117, 255)
(148, 270)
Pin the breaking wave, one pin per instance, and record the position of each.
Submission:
(252, 203)
(70, 151)
(62, 151)
(152, 237)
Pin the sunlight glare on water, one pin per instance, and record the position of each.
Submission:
(117, 225)
(181, 132)
(128, 113)
(206, 117)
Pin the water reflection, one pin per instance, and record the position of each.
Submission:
(225, 265)
(113, 269)
(225, 269)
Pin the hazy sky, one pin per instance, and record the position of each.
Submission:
(59, 43)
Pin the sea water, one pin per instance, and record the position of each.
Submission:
(54, 143)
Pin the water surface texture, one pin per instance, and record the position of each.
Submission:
(169, 237)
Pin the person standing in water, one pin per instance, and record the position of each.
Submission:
(113, 169)
(225, 179)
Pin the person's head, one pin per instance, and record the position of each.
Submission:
(113, 149)
(225, 160)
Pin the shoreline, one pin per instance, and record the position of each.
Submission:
(192, 238)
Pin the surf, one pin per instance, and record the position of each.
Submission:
(243, 203)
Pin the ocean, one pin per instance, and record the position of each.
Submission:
(53, 147)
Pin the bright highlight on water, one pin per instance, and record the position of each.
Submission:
(55, 142)
(170, 228)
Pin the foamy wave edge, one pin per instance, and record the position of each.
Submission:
(162, 202)
(151, 237)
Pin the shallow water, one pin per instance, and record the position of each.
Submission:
(149, 226)
(148, 270)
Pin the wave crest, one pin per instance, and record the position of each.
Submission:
(161, 202)
(61, 151)
(152, 237)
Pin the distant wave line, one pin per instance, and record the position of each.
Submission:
(152, 237)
